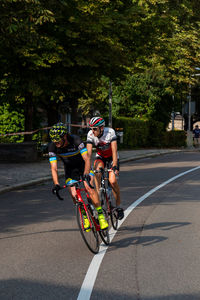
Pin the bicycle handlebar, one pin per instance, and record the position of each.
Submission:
(70, 185)
(57, 193)
(102, 170)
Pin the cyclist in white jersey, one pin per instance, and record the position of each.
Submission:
(105, 141)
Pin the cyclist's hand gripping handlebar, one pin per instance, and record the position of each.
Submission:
(87, 178)
(56, 190)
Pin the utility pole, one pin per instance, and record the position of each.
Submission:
(189, 132)
(110, 104)
(173, 114)
(189, 108)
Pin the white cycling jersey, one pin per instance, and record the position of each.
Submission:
(102, 144)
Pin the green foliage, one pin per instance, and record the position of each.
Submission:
(135, 132)
(11, 121)
(144, 96)
(142, 134)
(175, 138)
(155, 134)
(96, 99)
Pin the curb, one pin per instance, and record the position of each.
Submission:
(28, 183)
(49, 177)
(149, 155)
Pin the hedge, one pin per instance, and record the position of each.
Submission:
(143, 134)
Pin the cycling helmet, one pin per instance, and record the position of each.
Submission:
(96, 122)
(57, 132)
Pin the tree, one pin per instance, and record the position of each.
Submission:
(54, 51)
(24, 51)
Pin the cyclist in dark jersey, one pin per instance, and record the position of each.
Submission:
(73, 153)
(105, 141)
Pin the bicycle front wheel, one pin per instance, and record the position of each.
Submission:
(90, 235)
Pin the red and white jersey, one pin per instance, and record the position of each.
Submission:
(103, 144)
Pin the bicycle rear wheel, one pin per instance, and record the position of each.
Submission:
(110, 208)
(90, 237)
(104, 234)
(113, 212)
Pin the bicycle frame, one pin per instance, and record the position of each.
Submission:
(104, 194)
(105, 178)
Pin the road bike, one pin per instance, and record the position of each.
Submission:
(84, 208)
(106, 196)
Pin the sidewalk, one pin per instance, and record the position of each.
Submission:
(16, 175)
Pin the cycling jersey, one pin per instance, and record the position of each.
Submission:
(103, 143)
(71, 156)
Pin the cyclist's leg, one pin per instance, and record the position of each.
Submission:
(92, 192)
(72, 191)
(113, 182)
(115, 188)
(95, 200)
(98, 163)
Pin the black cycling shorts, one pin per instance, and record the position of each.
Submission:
(74, 171)
(108, 162)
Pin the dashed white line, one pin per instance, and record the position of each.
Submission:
(88, 283)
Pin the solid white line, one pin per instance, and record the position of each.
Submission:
(88, 283)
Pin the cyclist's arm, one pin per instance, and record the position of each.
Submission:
(54, 172)
(89, 150)
(86, 158)
(53, 162)
(114, 153)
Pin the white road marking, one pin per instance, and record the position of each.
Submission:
(88, 283)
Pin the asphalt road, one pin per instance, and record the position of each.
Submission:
(155, 254)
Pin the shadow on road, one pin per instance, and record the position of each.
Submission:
(144, 240)
(161, 225)
(39, 232)
(31, 206)
(20, 289)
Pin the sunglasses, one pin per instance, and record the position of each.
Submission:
(94, 128)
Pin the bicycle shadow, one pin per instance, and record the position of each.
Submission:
(162, 226)
(131, 241)
(144, 240)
